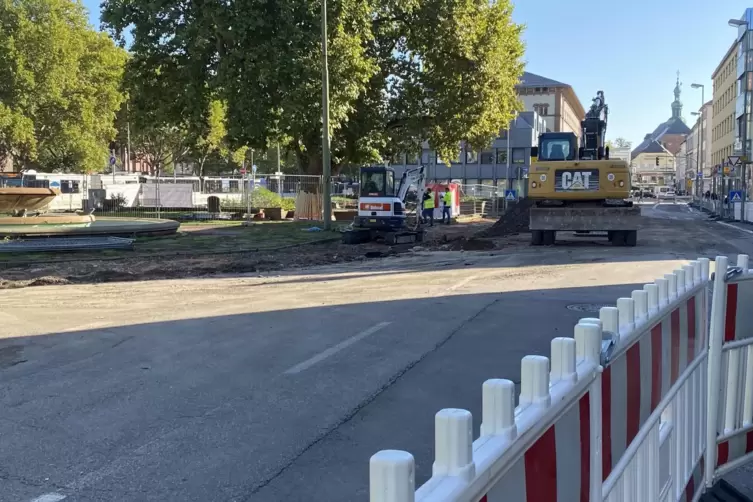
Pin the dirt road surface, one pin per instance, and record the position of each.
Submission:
(280, 386)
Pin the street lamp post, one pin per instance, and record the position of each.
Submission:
(700, 140)
(326, 160)
(737, 23)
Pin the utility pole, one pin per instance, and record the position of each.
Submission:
(326, 160)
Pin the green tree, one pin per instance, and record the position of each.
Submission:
(59, 86)
(401, 71)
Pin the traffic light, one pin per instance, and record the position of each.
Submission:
(657, 161)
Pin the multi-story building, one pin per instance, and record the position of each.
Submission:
(553, 100)
(503, 164)
(723, 121)
(549, 106)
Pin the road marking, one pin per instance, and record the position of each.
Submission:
(49, 497)
(335, 349)
(462, 283)
(735, 227)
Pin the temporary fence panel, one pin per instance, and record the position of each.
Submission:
(730, 390)
(616, 415)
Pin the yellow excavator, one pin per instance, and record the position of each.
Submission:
(578, 188)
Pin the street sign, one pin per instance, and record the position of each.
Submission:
(736, 196)
(243, 170)
(727, 171)
(253, 169)
(700, 176)
(510, 195)
(734, 160)
(112, 160)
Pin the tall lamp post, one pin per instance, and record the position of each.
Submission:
(737, 23)
(326, 160)
(700, 140)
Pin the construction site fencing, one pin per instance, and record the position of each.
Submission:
(180, 196)
(651, 401)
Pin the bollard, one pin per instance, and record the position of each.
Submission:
(453, 444)
(671, 286)
(640, 300)
(679, 281)
(652, 292)
(588, 338)
(663, 285)
(610, 322)
(534, 381)
(705, 268)
(689, 276)
(626, 309)
(563, 361)
(742, 262)
(392, 477)
(498, 409)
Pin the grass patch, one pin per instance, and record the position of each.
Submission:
(225, 237)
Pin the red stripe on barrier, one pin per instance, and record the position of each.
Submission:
(541, 468)
(483, 499)
(633, 359)
(691, 330)
(606, 423)
(674, 371)
(749, 442)
(656, 366)
(722, 453)
(690, 489)
(585, 446)
(730, 313)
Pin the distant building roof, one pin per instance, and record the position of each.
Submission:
(673, 130)
(532, 80)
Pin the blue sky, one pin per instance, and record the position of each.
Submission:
(630, 50)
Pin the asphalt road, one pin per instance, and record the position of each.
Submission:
(280, 388)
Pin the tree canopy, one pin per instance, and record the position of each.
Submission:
(401, 71)
(59, 86)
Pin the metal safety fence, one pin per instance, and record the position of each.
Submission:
(651, 401)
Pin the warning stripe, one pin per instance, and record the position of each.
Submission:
(730, 320)
(556, 467)
(695, 483)
(733, 448)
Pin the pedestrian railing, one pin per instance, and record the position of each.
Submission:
(648, 402)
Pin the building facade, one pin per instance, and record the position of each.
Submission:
(654, 160)
(555, 101)
(549, 106)
(723, 121)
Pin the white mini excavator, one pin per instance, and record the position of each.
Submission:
(382, 212)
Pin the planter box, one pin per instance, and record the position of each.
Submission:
(346, 215)
(275, 213)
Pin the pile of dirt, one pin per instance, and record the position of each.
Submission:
(514, 221)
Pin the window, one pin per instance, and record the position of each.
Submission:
(487, 157)
(518, 155)
(550, 149)
(69, 186)
(501, 156)
(471, 157)
(377, 183)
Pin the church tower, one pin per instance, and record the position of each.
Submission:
(677, 104)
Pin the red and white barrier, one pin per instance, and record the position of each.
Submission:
(730, 391)
(617, 414)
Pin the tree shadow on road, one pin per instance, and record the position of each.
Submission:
(280, 405)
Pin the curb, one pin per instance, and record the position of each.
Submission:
(735, 227)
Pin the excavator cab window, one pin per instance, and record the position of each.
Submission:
(556, 149)
(377, 182)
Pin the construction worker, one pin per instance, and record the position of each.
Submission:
(447, 205)
(428, 211)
